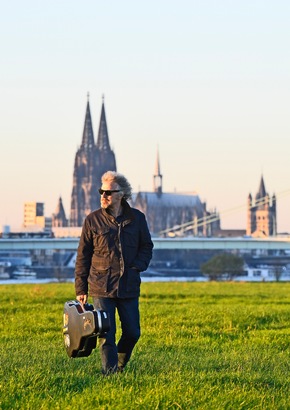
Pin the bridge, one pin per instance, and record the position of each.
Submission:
(226, 244)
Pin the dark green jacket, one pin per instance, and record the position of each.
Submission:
(112, 253)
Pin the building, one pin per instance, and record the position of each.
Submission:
(175, 214)
(168, 214)
(34, 219)
(34, 214)
(163, 210)
(91, 161)
(262, 220)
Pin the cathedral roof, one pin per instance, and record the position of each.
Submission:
(88, 134)
(171, 199)
(103, 143)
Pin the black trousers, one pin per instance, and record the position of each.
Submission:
(115, 356)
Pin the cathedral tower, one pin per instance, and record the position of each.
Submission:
(262, 213)
(91, 161)
(58, 217)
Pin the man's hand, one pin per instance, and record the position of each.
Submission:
(82, 299)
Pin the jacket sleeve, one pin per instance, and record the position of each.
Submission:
(144, 255)
(83, 260)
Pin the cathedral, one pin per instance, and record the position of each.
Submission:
(185, 212)
(92, 160)
(168, 214)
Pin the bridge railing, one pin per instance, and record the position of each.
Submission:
(272, 243)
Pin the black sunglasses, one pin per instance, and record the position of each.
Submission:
(108, 192)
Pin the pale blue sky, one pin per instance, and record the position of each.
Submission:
(206, 81)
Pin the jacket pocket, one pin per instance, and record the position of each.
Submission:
(98, 280)
(101, 238)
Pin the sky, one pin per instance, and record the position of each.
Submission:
(205, 82)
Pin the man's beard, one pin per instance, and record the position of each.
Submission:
(106, 206)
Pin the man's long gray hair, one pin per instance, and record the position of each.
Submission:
(121, 180)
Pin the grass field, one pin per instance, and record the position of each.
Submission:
(203, 346)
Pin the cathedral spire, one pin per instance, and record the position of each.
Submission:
(262, 191)
(59, 218)
(88, 134)
(157, 165)
(103, 143)
(157, 178)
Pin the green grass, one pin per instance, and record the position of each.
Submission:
(203, 346)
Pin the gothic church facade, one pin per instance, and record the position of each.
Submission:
(91, 161)
(163, 210)
(168, 214)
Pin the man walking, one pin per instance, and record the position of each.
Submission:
(115, 246)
